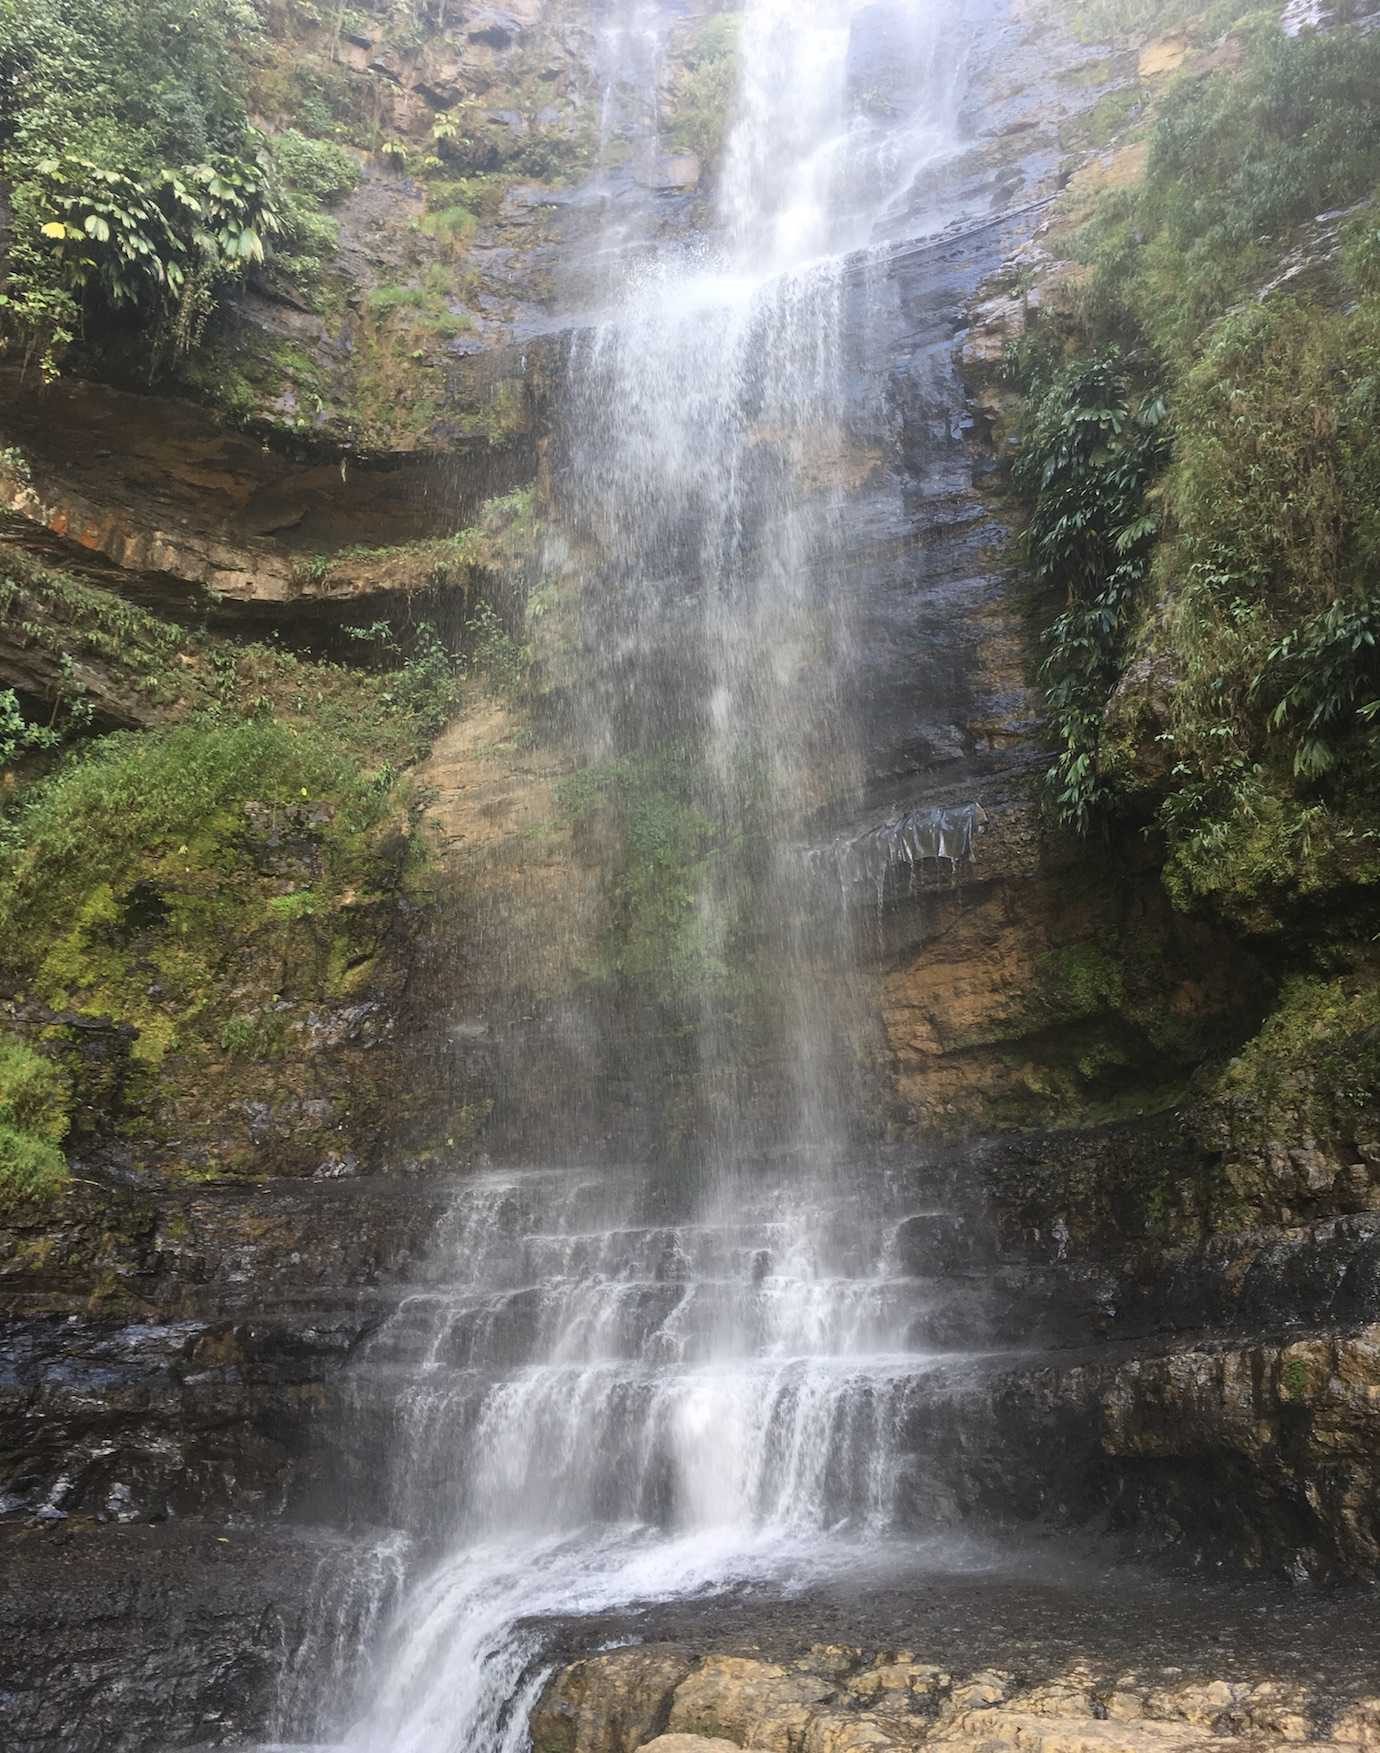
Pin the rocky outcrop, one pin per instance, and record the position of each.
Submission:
(199, 521)
(839, 1699)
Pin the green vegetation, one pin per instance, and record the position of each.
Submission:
(1081, 980)
(138, 188)
(138, 793)
(703, 88)
(425, 308)
(1313, 1071)
(1237, 160)
(318, 170)
(313, 176)
(180, 881)
(646, 807)
(504, 661)
(35, 1112)
(1098, 21)
(1089, 454)
(1293, 1379)
(1199, 458)
(471, 141)
(17, 734)
(110, 659)
(453, 224)
(140, 191)
(1241, 561)
(397, 385)
(500, 542)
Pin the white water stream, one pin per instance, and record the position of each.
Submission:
(625, 1385)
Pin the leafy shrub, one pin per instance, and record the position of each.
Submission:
(17, 733)
(1251, 581)
(504, 661)
(137, 185)
(311, 176)
(1237, 159)
(1086, 461)
(1270, 575)
(423, 678)
(317, 169)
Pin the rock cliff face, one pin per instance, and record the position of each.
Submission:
(1184, 1283)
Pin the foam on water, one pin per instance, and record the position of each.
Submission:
(622, 1386)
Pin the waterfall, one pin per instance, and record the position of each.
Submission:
(637, 1381)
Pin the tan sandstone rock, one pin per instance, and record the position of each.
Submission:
(754, 1703)
(1026, 1732)
(1359, 1724)
(688, 1744)
(611, 1703)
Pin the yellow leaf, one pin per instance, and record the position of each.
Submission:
(55, 228)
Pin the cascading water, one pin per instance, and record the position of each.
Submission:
(632, 1382)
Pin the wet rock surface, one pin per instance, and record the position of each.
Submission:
(202, 1393)
(145, 1638)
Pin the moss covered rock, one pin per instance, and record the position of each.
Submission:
(35, 1112)
(225, 893)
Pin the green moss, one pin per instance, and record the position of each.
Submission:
(1313, 1069)
(35, 1115)
(258, 1035)
(1082, 980)
(656, 933)
(203, 888)
(300, 904)
(30, 1168)
(35, 1095)
(1293, 1379)
(130, 881)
